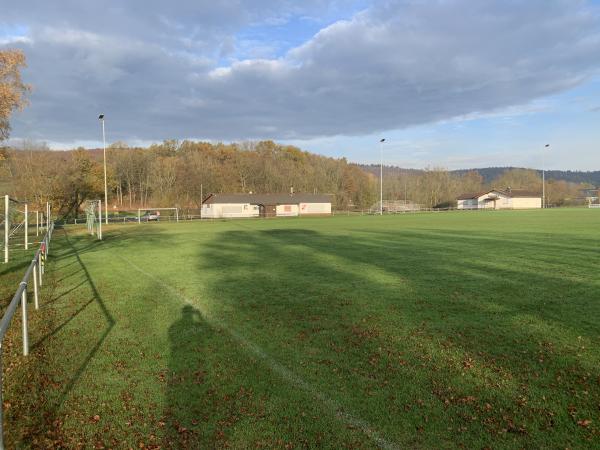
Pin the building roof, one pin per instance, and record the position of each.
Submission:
(471, 195)
(520, 193)
(268, 199)
(590, 192)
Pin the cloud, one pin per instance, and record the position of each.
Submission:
(157, 69)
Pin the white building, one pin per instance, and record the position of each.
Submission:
(265, 205)
(501, 199)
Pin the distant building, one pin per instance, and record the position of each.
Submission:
(500, 199)
(590, 195)
(265, 205)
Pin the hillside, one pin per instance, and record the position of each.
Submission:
(181, 173)
(490, 173)
(573, 176)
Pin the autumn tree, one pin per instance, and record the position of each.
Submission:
(31, 172)
(561, 192)
(175, 173)
(81, 179)
(471, 181)
(436, 188)
(518, 179)
(12, 88)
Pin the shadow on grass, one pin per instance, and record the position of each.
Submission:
(39, 423)
(51, 418)
(434, 340)
(11, 275)
(185, 379)
(476, 334)
(12, 267)
(110, 322)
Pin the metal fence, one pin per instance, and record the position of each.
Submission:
(34, 276)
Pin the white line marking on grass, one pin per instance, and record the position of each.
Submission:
(285, 373)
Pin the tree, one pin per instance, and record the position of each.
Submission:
(561, 192)
(435, 188)
(81, 179)
(519, 179)
(471, 181)
(12, 88)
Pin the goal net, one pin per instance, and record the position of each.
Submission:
(93, 216)
(19, 226)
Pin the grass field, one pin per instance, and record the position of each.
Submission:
(418, 331)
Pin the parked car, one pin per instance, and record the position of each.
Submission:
(148, 217)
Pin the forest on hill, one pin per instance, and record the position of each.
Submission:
(489, 174)
(181, 173)
(573, 176)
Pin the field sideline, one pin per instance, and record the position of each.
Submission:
(431, 330)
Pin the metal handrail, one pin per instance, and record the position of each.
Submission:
(36, 268)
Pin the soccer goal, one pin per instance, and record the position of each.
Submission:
(93, 216)
(16, 220)
(158, 215)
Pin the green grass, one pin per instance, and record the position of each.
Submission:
(420, 331)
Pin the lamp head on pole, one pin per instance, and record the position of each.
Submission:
(547, 145)
(382, 140)
(101, 117)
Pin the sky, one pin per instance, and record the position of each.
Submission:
(447, 83)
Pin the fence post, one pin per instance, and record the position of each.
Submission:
(24, 319)
(26, 227)
(35, 285)
(100, 219)
(39, 267)
(1, 404)
(44, 258)
(6, 228)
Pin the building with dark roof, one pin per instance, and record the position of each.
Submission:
(265, 205)
(590, 195)
(500, 199)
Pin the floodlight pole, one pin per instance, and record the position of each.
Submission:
(101, 118)
(381, 141)
(544, 177)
